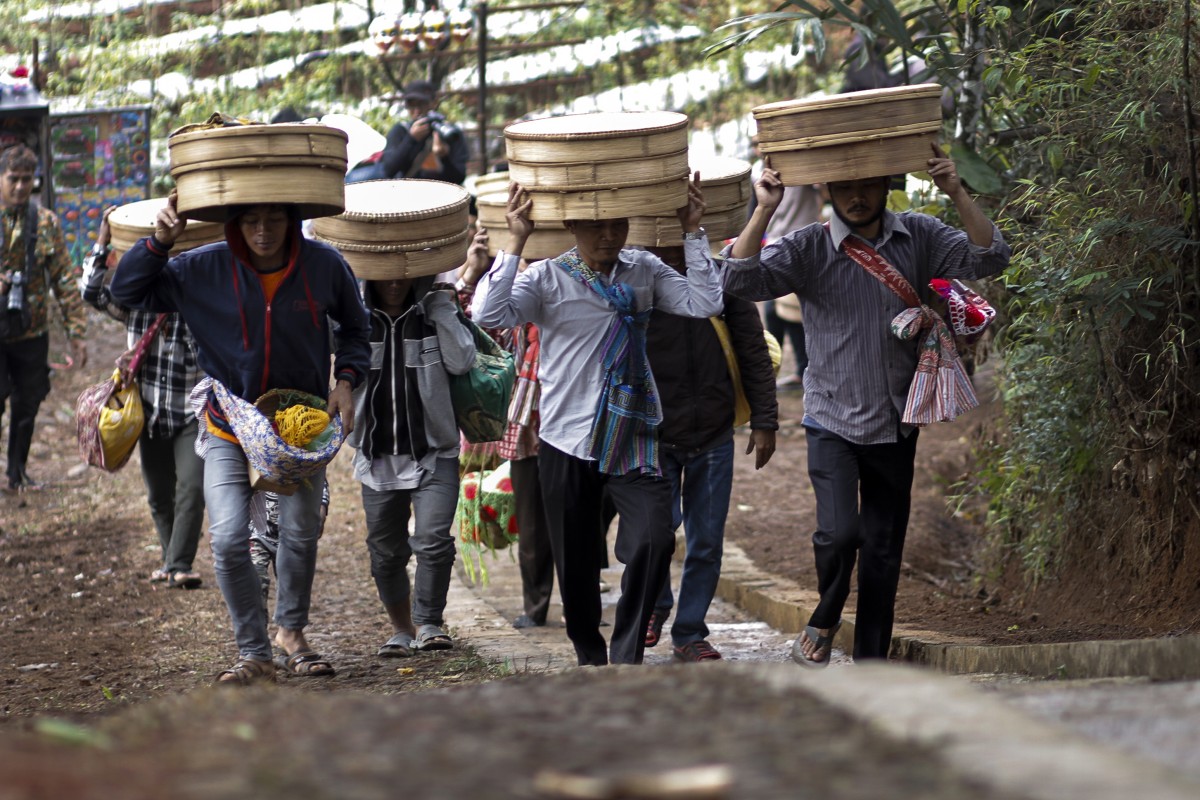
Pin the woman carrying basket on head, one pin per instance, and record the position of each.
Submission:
(260, 306)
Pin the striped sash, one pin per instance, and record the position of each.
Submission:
(941, 389)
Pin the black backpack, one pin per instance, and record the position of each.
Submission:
(16, 318)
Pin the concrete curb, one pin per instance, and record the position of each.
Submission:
(982, 738)
(786, 606)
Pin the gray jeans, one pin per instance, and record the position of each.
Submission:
(227, 494)
(391, 546)
(174, 478)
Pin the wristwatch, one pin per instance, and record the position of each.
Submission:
(699, 234)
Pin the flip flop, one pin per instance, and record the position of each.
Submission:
(160, 576)
(822, 642)
(431, 637)
(399, 646)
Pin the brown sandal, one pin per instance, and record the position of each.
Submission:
(309, 664)
(247, 672)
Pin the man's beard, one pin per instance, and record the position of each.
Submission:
(856, 225)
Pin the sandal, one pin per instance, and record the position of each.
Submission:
(247, 672)
(159, 576)
(431, 637)
(184, 580)
(309, 664)
(399, 646)
(822, 644)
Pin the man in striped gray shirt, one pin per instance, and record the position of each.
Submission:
(860, 453)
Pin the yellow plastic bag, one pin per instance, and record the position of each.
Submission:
(109, 418)
(741, 406)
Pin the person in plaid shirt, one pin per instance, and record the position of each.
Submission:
(24, 357)
(171, 470)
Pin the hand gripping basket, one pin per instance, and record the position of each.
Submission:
(295, 163)
(600, 166)
(549, 239)
(393, 230)
(134, 221)
(727, 191)
(851, 136)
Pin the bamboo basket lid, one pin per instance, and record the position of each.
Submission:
(547, 240)
(388, 264)
(725, 182)
(870, 109)
(491, 182)
(667, 232)
(657, 199)
(592, 175)
(605, 136)
(300, 164)
(134, 221)
(398, 212)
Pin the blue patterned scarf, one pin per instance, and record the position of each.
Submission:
(625, 428)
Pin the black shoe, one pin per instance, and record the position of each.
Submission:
(526, 621)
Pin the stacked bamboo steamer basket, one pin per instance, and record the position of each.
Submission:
(727, 191)
(392, 230)
(134, 221)
(295, 163)
(600, 166)
(851, 136)
(548, 239)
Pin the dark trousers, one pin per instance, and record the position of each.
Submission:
(533, 547)
(174, 478)
(573, 492)
(863, 495)
(25, 382)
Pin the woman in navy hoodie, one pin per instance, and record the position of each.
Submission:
(260, 306)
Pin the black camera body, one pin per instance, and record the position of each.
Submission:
(442, 126)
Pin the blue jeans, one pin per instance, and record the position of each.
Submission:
(391, 547)
(700, 489)
(227, 495)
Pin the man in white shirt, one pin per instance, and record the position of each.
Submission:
(599, 412)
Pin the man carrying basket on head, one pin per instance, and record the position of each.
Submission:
(259, 306)
(599, 405)
(857, 277)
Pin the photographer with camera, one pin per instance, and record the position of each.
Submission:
(428, 146)
(34, 264)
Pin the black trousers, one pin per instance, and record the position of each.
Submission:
(863, 495)
(533, 547)
(573, 495)
(25, 382)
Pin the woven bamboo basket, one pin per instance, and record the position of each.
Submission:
(600, 166)
(491, 183)
(400, 229)
(294, 163)
(851, 136)
(546, 241)
(134, 221)
(727, 191)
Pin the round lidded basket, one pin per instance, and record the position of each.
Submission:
(851, 136)
(491, 183)
(292, 163)
(600, 166)
(548, 240)
(727, 192)
(397, 229)
(134, 221)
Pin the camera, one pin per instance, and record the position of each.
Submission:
(16, 291)
(439, 124)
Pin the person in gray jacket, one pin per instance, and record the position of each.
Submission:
(407, 442)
